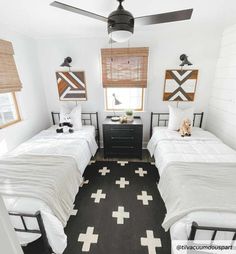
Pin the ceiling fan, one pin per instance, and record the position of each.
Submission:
(120, 23)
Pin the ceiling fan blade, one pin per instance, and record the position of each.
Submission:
(78, 11)
(164, 17)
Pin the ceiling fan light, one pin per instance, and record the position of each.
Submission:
(120, 35)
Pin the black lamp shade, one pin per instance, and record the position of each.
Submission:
(67, 62)
(184, 59)
(116, 101)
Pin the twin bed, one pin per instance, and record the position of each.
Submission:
(41, 177)
(197, 181)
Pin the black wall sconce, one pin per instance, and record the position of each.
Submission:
(184, 59)
(67, 62)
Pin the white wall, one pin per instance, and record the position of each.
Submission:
(31, 100)
(165, 46)
(222, 105)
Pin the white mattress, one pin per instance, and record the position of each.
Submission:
(169, 147)
(80, 145)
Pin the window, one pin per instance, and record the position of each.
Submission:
(124, 74)
(130, 98)
(9, 113)
(9, 84)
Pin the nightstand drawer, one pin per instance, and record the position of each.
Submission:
(123, 139)
(122, 132)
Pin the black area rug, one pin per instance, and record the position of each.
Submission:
(136, 181)
(118, 210)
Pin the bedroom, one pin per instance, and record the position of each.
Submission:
(120, 205)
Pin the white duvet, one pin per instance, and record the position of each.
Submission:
(169, 147)
(80, 145)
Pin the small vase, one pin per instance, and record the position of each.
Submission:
(130, 119)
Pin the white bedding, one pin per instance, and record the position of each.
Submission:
(169, 147)
(80, 145)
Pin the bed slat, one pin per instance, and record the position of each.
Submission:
(40, 231)
(196, 227)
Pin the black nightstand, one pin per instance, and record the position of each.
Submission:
(123, 139)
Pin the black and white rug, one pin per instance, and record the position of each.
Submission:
(118, 210)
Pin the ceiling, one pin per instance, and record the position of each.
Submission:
(39, 20)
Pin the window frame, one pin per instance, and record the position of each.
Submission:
(18, 118)
(121, 110)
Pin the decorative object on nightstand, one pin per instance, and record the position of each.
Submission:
(129, 114)
(123, 139)
(116, 102)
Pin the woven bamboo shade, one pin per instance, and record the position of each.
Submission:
(9, 79)
(124, 67)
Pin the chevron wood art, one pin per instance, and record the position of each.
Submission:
(180, 85)
(71, 85)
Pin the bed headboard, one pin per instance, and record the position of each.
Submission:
(87, 119)
(161, 119)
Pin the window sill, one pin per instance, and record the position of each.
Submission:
(10, 124)
(123, 111)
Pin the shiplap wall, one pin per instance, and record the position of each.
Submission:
(222, 105)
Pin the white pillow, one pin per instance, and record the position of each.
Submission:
(76, 118)
(177, 115)
(64, 113)
(74, 114)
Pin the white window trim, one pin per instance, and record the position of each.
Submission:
(122, 110)
(18, 119)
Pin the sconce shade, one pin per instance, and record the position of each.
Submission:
(184, 59)
(67, 62)
(116, 101)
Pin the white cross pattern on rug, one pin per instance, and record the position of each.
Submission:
(73, 211)
(88, 238)
(84, 182)
(104, 171)
(92, 162)
(151, 242)
(122, 182)
(145, 198)
(141, 172)
(98, 196)
(122, 163)
(120, 215)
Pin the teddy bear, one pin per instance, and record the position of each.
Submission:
(65, 125)
(185, 129)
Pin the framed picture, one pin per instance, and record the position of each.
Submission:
(180, 85)
(71, 85)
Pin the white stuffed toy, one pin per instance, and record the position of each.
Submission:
(65, 125)
(185, 129)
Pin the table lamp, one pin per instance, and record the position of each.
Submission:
(115, 103)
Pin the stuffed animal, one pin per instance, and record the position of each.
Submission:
(65, 126)
(185, 129)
